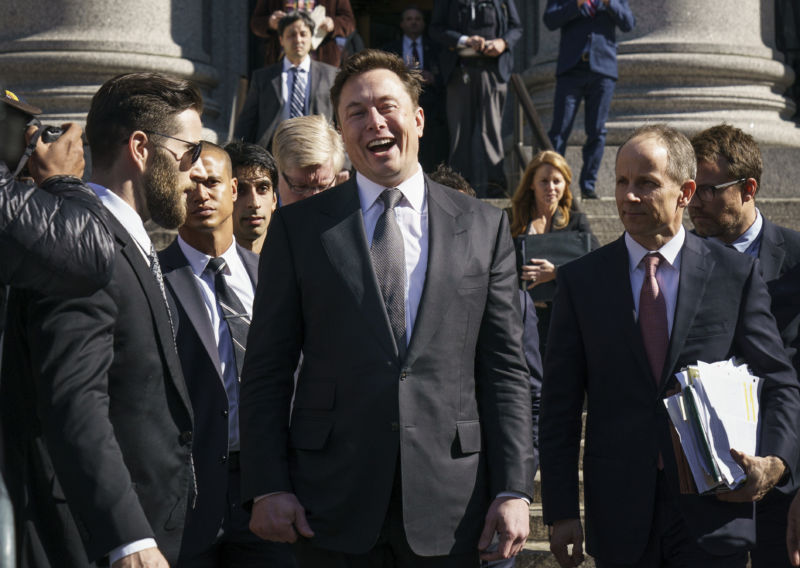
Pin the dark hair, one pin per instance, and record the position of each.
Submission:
(294, 16)
(246, 155)
(135, 101)
(411, 7)
(681, 162)
(446, 175)
(369, 60)
(736, 146)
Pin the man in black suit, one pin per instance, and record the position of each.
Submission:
(420, 52)
(724, 208)
(295, 86)
(406, 439)
(661, 298)
(97, 420)
(216, 531)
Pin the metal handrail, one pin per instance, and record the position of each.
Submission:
(525, 112)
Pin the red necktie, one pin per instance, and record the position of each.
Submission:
(592, 6)
(653, 317)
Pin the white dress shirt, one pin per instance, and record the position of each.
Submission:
(286, 84)
(132, 222)
(412, 217)
(667, 275)
(408, 56)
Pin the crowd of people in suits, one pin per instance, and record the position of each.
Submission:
(337, 362)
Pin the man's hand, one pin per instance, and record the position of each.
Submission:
(274, 18)
(476, 42)
(762, 475)
(327, 25)
(147, 558)
(279, 518)
(563, 533)
(64, 157)
(494, 47)
(509, 517)
(793, 531)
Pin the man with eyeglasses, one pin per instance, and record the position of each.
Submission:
(310, 158)
(96, 414)
(724, 208)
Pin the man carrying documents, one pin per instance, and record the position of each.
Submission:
(662, 299)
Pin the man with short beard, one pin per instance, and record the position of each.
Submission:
(97, 421)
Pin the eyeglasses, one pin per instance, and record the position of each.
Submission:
(195, 147)
(708, 192)
(307, 189)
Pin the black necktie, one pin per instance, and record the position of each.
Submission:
(233, 312)
(389, 262)
(414, 55)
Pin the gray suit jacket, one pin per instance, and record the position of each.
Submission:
(455, 414)
(262, 108)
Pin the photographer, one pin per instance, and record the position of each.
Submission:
(53, 241)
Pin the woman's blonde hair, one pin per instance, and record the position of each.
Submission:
(523, 203)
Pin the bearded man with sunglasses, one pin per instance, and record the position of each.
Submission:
(97, 420)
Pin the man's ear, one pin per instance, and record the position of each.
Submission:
(235, 188)
(750, 188)
(137, 149)
(687, 192)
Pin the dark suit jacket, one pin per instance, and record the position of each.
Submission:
(455, 414)
(595, 350)
(601, 30)
(446, 29)
(263, 106)
(95, 411)
(199, 357)
(780, 250)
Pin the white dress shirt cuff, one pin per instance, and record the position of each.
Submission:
(515, 495)
(462, 41)
(128, 549)
(260, 497)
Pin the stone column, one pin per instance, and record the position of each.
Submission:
(692, 64)
(56, 54)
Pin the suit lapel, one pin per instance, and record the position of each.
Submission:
(448, 237)
(250, 261)
(180, 278)
(771, 254)
(345, 242)
(695, 270)
(162, 326)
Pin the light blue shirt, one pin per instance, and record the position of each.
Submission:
(749, 242)
(287, 84)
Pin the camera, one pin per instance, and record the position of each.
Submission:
(51, 134)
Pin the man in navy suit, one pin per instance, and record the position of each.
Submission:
(216, 531)
(662, 298)
(724, 208)
(587, 69)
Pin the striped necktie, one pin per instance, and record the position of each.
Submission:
(297, 103)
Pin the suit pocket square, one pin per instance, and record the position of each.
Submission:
(469, 436)
(305, 434)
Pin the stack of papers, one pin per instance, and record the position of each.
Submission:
(716, 410)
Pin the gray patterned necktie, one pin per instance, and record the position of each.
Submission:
(233, 311)
(389, 262)
(155, 269)
(297, 105)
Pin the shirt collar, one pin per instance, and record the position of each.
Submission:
(407, 41)
(669, 250)
(125, 214)
(305, 64)
(413, 190)
(199, 260)
(747, 238)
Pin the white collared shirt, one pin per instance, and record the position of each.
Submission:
(127, 217)
(408, 58)
(412, 216)
(667, 275)
(286, 84)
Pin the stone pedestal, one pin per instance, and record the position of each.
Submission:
(56, 54)
(691, 64)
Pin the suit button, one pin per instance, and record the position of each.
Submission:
(224, 412)
(186, 437)
(395, 426)
(224, 459)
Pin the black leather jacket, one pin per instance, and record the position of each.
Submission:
(53, 240)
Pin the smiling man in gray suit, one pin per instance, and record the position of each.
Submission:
(408, 443)
(295, 86)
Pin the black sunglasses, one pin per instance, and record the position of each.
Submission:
(196, 147)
